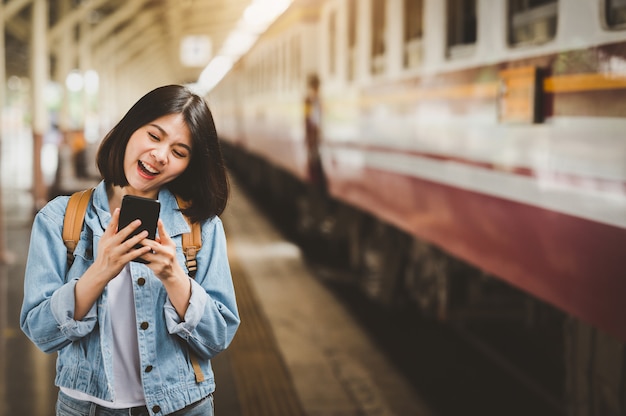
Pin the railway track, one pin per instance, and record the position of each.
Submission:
(459, 369)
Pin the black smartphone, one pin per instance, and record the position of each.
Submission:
(145, 209)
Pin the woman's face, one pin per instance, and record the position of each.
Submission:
(156, 154)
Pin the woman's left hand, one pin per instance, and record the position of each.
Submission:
(162, 257)
(162, 261)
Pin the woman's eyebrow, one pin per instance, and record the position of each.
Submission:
(159, 128)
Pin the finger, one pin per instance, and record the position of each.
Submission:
(135, 240)
(128, 230)
(141, 251)
(159, 253)
(148, 257)
(163, 236)
(126, 247)
(133, 247)
(153, 244)
(112, 227)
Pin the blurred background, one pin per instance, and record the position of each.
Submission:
(456, 165)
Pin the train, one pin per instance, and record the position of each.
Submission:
(467, 156)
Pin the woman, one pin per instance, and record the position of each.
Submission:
(125, 331)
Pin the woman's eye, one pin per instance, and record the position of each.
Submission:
(154, 137)
(179, 153)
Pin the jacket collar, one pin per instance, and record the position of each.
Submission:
(173, 219)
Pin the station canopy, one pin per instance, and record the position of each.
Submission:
(171, 40)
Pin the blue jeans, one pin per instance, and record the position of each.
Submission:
(68, 406)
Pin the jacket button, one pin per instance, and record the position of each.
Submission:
(156, 409)
(148, 369)
(144, 325)
(141, 281)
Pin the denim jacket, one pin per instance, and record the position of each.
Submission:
(84, 347)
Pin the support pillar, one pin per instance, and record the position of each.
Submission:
(4, 256)
(65, 63)
(39, 79)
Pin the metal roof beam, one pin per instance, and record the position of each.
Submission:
(148, 41)
(129, 10)
(13, 7)
(19, 28)
(72, 19)
(104, 29)
(112, 44)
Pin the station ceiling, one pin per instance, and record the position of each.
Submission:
(142, 34)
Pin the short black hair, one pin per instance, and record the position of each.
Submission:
(204, 183)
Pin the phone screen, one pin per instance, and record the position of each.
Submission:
(145, 209)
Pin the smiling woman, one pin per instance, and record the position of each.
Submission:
(127, 306)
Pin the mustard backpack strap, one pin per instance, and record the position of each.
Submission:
(73, 220)
(197, 371)
(192, 242)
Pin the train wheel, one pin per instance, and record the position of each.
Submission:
(305, 219)
(354, 237)
(595, 371)
(381, 259)
(426, 279)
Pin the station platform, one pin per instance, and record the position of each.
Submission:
(298, 350)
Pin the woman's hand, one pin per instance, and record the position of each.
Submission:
(113, 254)
(162, 261)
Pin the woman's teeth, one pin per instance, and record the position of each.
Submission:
(147, 169)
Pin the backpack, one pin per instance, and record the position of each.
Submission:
(73, 225)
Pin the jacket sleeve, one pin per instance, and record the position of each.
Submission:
(48, 306)
(212, 317)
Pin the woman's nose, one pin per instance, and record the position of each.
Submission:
(158, 155)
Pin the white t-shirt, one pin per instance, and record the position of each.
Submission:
(126, 365)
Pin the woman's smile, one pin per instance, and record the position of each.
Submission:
(146, 170)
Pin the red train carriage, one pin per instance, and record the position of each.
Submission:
(490, 133)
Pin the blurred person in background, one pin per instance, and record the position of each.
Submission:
(312, 121)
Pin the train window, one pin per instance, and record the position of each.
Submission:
(332, 42)
(378, 36)
(276, 68)
(352, 39)
(295, 61)
(413, 30)
(615, 13)
(532, 21)
(273, 69)
(461, 21)
(286, 69)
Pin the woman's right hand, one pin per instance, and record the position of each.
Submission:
(113, 254)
